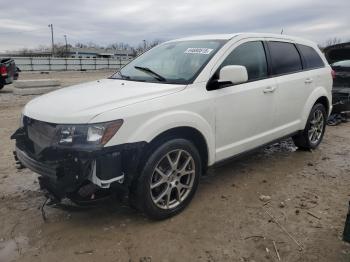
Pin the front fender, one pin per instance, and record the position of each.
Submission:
(316, 94)
(168, 120)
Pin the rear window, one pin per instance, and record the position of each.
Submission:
(285, 58)
(311, 57)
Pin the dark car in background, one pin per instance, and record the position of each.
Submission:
(341, 86)
(338, 57)
(8, 71)
(342, 73)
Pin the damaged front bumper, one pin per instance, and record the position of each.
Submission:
(79, 173)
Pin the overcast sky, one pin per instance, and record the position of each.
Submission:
(23, 23)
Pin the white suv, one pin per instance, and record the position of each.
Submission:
(151, 129)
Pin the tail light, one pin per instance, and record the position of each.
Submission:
(3, 70)
(333, 73)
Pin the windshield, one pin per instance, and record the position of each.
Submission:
(344, 63)
(174, 63)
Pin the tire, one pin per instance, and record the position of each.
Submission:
(174, 179)
(316, 125)
(2, 84)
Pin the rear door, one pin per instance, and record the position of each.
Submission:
(294, 86)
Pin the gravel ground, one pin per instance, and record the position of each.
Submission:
(226, 221)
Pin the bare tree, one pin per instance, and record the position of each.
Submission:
(87, 45)
(146, 45)
(43, 48)
(154, 43)
(25, 52)
(61, 50)
(333, 41)
(119, 46)
(93, 45)
(134, 51)
(80, 45)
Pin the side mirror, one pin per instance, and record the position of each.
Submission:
(235, 74)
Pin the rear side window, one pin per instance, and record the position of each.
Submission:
(311, 57)
(252, 56)
(285, 58)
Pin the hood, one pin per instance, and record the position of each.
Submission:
(80, 103)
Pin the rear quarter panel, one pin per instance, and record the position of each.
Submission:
(322, 87)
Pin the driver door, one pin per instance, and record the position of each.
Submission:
(244, 112)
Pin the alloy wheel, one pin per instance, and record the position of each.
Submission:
(316, 127)
(172, 179)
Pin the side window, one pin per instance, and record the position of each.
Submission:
(311, 57)
(285, 58)
(252, 56)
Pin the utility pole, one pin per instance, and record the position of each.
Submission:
(53, 44)
(65, 38)
(144, 45)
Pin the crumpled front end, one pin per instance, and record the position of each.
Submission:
(77, 172)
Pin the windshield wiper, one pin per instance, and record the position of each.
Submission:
(123, 76)
(151, 72)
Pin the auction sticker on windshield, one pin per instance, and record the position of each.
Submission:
(203, 51)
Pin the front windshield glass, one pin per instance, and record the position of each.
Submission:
(174, 63)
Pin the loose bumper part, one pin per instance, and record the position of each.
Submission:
(63, 170)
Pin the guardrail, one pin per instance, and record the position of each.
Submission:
(67, 64)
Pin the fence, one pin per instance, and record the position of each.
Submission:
(65, 64)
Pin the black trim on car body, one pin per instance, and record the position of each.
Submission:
(251, 151)
(268, 59)
(270, 71)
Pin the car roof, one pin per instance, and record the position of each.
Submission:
(207, 37)
(245, 35)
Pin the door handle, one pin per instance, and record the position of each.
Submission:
(309, 81)
(269, 89)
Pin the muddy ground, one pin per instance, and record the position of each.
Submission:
(226, 220)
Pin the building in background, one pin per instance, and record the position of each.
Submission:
(76, 52)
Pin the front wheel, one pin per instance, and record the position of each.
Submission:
(169, 179)
(312, 135)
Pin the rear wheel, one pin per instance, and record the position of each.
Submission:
(169, 179)
(2, 84)
(312, 135)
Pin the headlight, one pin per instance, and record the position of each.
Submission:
(95, 134)
(67, 133)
